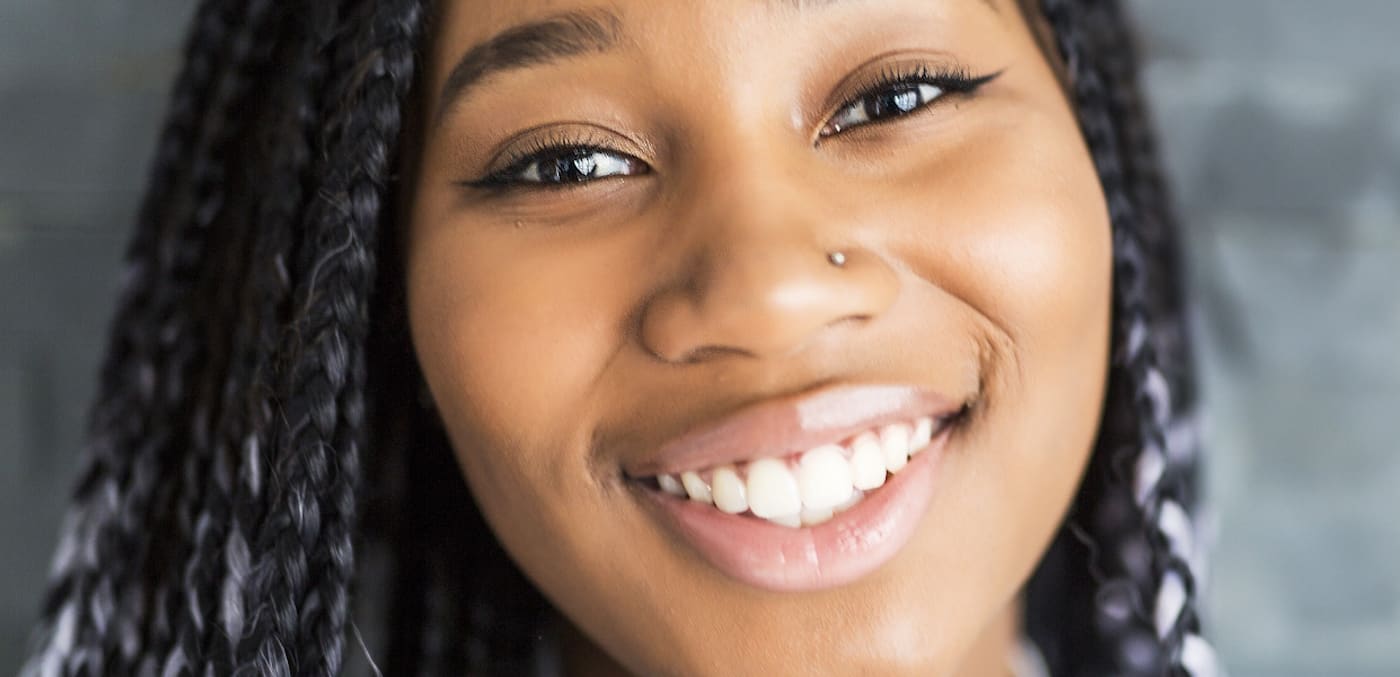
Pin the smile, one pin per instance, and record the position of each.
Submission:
(807, 489)
(742, 495)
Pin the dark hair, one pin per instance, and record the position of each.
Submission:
(223, 517)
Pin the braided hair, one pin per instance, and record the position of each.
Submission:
(223, 516)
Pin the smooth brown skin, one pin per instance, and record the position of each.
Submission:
(564, 334)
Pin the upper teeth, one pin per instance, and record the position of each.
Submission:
(810, 488)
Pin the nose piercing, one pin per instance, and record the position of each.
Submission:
(837, 259)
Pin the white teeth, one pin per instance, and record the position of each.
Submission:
(670, 485)
(868, 462)
(850, 502)
(696, 487)
(923, 434)
(894, 440)
(728, 489)
(824, 478)
(772, 490)
(793, 521)
(824, 482)
(812, 517)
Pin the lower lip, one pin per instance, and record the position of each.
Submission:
(845, 548)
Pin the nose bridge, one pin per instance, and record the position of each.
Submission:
(756, 193)
(753, 205)
(757, 278)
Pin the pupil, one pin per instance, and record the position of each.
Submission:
(574, 166)
(897, 101)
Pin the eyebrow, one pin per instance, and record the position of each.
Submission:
(557, 37)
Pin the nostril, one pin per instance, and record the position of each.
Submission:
(706, 353)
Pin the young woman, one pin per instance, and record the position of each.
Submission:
(755, 337)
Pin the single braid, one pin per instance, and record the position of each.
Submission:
(299, 621)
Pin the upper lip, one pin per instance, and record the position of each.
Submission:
(785, 425)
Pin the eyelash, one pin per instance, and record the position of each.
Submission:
(555, 146)
(562, 147)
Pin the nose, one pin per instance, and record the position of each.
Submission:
(767, 270)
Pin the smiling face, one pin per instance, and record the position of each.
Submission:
(620, 241)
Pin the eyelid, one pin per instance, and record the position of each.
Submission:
(526, 145)
(564, 133)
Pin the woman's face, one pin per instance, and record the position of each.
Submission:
(620, 221)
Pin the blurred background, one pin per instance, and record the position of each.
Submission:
(1280, 122)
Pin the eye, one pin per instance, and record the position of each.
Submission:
(563, 165)
(897, 94)
(890, 102)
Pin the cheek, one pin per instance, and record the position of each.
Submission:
(1018, 231)
(1048, 265)
(1017, 228)
(504, 329)
(1048, 262)
(510, 346)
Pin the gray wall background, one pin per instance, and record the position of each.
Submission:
(1280, 123)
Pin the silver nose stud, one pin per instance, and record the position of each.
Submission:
(837, 259)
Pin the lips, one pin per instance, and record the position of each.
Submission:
(785, 426)
(813, 549)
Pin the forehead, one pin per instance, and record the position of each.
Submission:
(482, 18)
(475, 39)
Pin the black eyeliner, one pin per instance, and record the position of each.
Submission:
(948, 79)
(555, 143)
(955, 80)
(501, 178)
